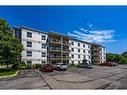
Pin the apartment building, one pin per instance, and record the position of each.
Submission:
(58, 48)
(34, 43)
(79, 50)
(50, 47)
(98, 54)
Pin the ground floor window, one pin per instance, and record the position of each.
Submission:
(29, 63)
(43, 62)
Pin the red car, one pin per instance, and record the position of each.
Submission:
(110, 64)
(47, 68)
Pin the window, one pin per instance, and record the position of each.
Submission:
(78, 44)
(29, 44)
(84, 50)
(72, 56)
(89, 57)
(84, 56)
(43, 54)
(78, 62)
(43, 37)
(83, 45)
(29, 53)
(29, 34)
(88, 46)
(78, 50)
(43, 45)
(78, 56)
(72, 49)
(29, 62)
(72, 43)
(72, 62)
(89, 51)
(43, 62)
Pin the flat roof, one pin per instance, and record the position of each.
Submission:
(80, 40)
(31, 29)
(27, 28)
(59, 34)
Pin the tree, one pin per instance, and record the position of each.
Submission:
(10, 46)
(124, 54)
(119, 58)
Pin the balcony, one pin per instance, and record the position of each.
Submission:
(55, 49)
(66, 58)
(96, 54)
(95, 49)
(54, 41)
(66, 43)
(66, 50)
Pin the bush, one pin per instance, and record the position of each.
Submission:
(16, 66)
(36, 66)
(23, 65)
(72, 65)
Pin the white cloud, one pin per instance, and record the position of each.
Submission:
(91, 35)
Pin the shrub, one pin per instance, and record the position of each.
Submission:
(16, 66)
(23, 65)
(36, 66)
(72, 65)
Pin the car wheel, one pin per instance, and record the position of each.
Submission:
(57, 69)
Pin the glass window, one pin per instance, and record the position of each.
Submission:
(72, 62)
(78, 44)
(78, 50)
(43, 37)
(29, 63)
(43, 54)
(88, 46)
(29, 53)
(84, 50)
(72, 49)
(78, 56)
(72, 56)
(29, 34)
(43, 62)
(78, 62)
(72, 43)
(83, 45)
(29, 44)
(43, 45)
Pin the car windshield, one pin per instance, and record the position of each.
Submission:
(63, 64)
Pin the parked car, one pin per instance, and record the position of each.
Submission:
(47, 68)
(85, 66)
(110, 64)
(60, 66)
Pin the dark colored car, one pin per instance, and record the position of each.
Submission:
(47, 68)
(85, 66)
(110, 64)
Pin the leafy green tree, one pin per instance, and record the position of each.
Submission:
(10, 46)
(124, 54)
(119, 58)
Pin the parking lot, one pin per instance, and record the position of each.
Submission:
(74, 78)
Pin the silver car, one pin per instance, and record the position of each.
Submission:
(60, 66)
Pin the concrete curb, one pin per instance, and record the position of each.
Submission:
(10, 75)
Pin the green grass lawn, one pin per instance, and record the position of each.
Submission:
(7, 71)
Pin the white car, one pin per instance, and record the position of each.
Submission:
(60, 66)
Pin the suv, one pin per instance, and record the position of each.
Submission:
(60, 66)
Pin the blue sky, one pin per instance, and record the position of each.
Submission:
(106, 25)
